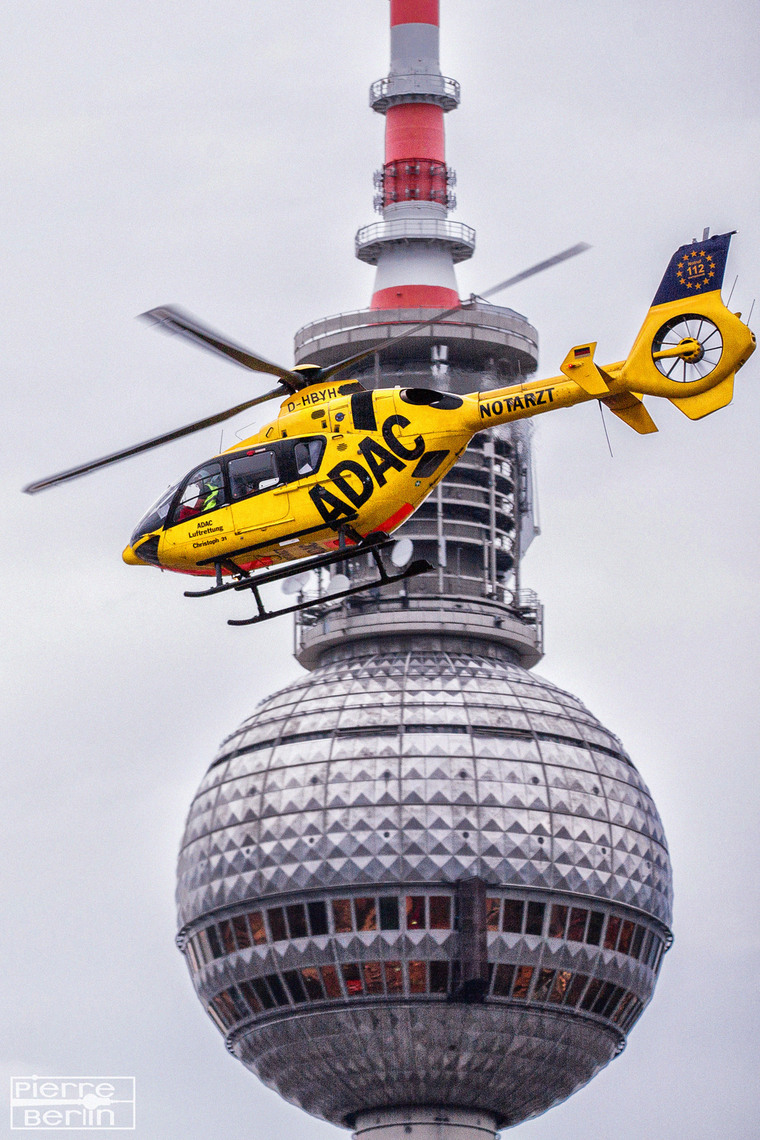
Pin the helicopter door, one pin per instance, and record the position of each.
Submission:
(258, 489)
(197, 517)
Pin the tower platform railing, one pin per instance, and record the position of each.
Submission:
(370, 239)
(422, 87)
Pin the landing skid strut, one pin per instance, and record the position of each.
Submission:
(373, 544)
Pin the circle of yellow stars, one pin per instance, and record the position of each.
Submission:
(691, 258)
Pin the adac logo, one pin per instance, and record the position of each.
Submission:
(695, 270)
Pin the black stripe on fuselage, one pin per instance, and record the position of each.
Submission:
(363, 412)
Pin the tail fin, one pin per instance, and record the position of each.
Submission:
(690, 345)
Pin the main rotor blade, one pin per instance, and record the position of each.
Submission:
(157, 441)
(381, 345)
(539, 267)
(174, 320)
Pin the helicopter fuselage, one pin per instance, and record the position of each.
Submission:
(340, 463)
(337, 459)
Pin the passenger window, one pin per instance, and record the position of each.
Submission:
(203, 491)
(308, 455)
(253, 472)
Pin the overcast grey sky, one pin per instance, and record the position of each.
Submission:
(219, 155)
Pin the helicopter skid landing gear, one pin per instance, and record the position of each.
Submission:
(372, 545)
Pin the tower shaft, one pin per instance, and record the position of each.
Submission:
(414, 247)
(478, 522)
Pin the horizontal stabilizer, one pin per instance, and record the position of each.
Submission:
(579, 366)
(629, 407)
(695, 407)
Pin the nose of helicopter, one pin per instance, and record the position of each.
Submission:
(142, 553)
(128, 555)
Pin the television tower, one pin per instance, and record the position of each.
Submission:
(422, 890)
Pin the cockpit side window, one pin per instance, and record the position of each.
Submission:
(203, 491)
(253, 472)
(308, 456)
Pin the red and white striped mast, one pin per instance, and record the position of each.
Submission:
(415, 247)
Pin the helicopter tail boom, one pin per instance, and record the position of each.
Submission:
(687, 351)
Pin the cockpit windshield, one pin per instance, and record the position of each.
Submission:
(228, 479)
(154, 518)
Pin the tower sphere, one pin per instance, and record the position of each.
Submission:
(423, 876)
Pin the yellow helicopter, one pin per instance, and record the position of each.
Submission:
(341, 467)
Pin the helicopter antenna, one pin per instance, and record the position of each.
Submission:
(730, 295)
(604, 425)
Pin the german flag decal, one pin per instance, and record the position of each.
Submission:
(694, 269)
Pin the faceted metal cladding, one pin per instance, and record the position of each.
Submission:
(322, 865)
